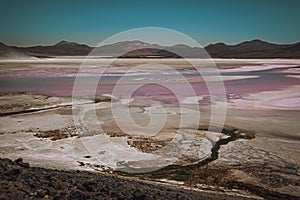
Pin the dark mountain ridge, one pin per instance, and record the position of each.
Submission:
(137, 49)
(254, 49)
(62, 48)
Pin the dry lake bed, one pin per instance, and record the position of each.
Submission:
(253, 153)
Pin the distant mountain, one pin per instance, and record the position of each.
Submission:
(187, 51)
(7, 52)
(138, 49)
(247, 49)
(254, 49)
(290, 51)
(65, 44)
(135, 49)
(62, 48)
(256, 45)
(121, 48)
(150, 53)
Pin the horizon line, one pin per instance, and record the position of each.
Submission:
(220, 42)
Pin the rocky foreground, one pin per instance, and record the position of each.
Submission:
(20, 181)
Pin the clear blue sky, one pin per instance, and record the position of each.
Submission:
(34, 22)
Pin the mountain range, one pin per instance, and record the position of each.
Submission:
(247, 49)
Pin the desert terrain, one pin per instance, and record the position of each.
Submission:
(175, 138)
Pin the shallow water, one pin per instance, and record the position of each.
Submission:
(60, 81)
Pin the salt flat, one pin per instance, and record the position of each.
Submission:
(261, 124)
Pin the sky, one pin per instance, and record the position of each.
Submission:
(34, 22)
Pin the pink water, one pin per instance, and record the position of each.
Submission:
(59, 81)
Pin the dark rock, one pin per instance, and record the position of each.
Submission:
(12, 195)
(52, 191)
(77, 194)
(58, 198)
(12, 174)
(41, 193)
(138, 195)
(89, 186)
(19, 161)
